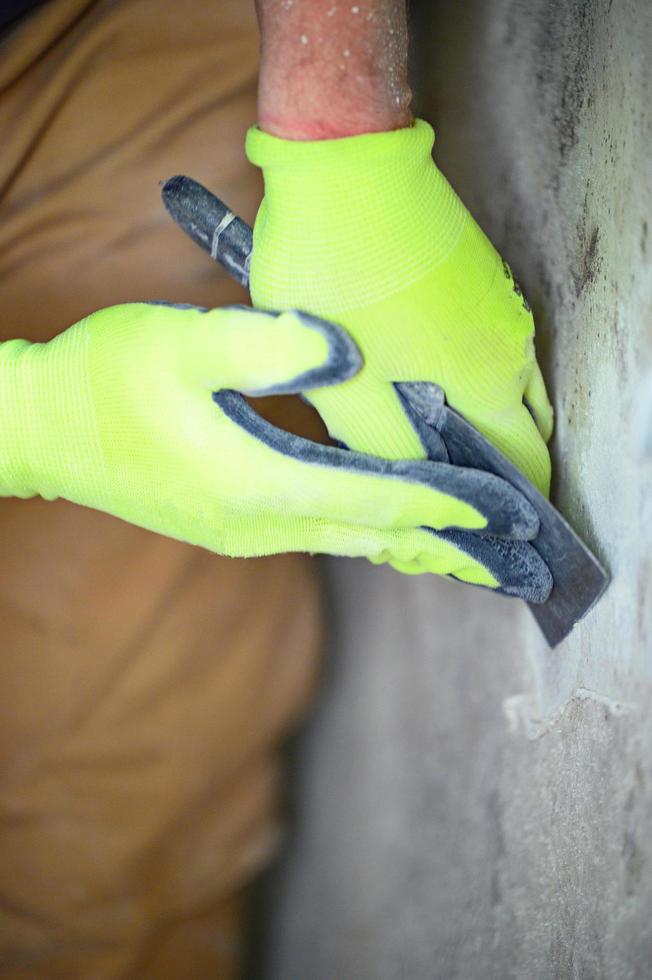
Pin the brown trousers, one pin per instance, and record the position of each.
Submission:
(144, 684)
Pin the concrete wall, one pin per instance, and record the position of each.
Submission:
(471, 805)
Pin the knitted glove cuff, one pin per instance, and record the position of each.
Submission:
(318, 197)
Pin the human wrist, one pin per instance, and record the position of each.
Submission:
(332, 70)
(333, 105)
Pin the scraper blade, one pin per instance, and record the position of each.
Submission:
(579, 579)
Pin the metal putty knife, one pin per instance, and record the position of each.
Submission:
(579, 579)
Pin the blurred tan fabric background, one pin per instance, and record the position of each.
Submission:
(144, 684)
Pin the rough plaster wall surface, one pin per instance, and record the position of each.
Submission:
(471, 805)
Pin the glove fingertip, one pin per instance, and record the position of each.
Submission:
(516, 518)
(537, 401)
(507, 513)
(342, 362)
(515, 565)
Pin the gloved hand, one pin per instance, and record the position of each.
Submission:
(133, 411)
(366, 231)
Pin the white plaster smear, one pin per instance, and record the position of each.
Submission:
(522, 712)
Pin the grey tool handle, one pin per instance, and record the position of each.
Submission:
(226, 238)
(579, 579)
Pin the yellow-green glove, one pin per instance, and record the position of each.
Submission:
(135, 411)
(366, 231)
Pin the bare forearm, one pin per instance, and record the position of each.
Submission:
(331, 69)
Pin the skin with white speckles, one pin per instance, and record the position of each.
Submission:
(329, 71)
